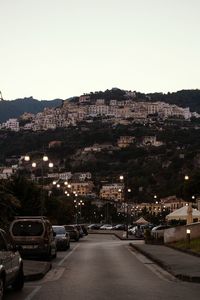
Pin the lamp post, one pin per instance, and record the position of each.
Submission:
(126, 211)
(80, 204)
(34, 165)
(188, 231)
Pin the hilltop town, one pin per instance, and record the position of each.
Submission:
(125, 111)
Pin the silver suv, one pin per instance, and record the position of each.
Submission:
(11, 265)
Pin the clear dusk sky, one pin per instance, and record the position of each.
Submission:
(62, 48)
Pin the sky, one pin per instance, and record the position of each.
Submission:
(62, 48)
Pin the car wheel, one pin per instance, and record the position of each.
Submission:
(49, 255)
(19, 281)
(53, 252)
(1, 288)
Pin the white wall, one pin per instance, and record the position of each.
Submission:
(179, 233)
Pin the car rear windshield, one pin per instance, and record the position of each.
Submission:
(59, 230)
(28, 228)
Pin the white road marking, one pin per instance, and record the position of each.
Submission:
(66, 256)
(53, 275)
(157, 270)
(33, 293)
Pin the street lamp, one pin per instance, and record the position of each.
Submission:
(34, 165)
(188, 231)
(125, 190)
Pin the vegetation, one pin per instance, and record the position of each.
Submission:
(192, 246)
(15, 108)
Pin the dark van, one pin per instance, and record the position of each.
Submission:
(34, 235)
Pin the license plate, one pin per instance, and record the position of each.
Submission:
(28, 247)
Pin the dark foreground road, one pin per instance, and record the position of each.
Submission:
(101, 267)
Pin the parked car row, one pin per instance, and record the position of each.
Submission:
(135, 230)
(107, 227)
(76, 231)
(30, 236)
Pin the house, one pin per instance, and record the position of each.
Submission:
(112, 191)
(125, 141)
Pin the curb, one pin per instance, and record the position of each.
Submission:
(38, 275)
(182, 277)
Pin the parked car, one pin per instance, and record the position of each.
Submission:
(73, 232)
(62, 237)
(84, 228)
(11, 265)
(119, 227)
(94, 226)
(80, 230)
(106, 227)
(34, 235)
(158, 231)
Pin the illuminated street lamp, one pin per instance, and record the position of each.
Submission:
(186, 177)
(125, 190)
(34, 165)
(188, 231)
(27, 158)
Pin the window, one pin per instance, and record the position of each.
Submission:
(28, 228)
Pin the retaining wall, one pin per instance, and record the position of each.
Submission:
(179, 233)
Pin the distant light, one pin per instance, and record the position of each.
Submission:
(66, 192)
(58, 185)
(121, 177)
(69, 185)
(188, 231)
(186, 177)
(27, 158)
(34, 165)
(54, 182)
(65, 183)
(155, 196)
(129, 190)
(45, 158)
(50, 165)
(193, 197)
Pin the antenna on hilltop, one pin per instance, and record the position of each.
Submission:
(1, 97)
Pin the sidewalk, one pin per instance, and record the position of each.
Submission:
(182, 265)
(35, 270)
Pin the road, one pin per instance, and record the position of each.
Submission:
(101, 267)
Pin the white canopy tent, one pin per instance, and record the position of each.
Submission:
(185, 213)
(141, 221)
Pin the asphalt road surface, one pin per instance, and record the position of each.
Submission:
(101, 267)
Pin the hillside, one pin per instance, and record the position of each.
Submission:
(15, 108)
(184, 98)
